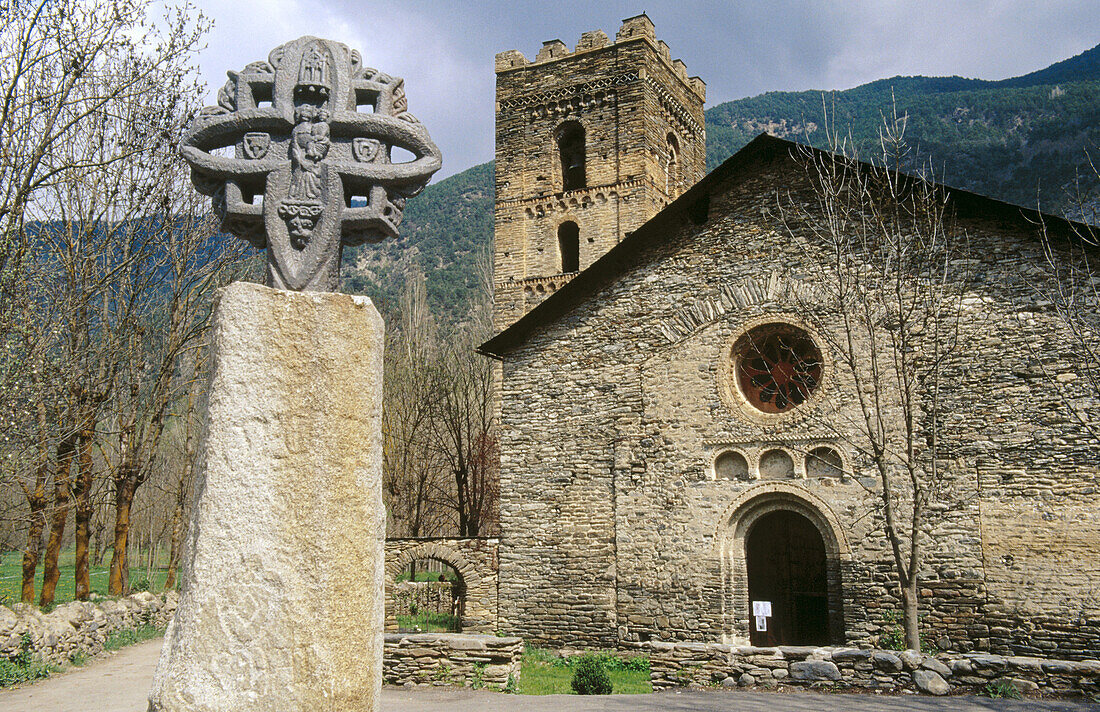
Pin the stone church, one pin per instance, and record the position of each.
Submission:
(661, 481)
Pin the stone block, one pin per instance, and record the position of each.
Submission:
(813, 670)
(937, 667)
(282, 603)
(797, 652)
(1021, 685)
(885, 661)
(930, 683)
(911, 659)
(850, 655)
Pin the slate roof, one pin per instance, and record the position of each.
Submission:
(693, 205)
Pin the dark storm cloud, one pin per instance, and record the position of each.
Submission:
(445, 50)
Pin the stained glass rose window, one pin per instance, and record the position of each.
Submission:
(777, 367)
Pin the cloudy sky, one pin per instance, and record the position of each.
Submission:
(444, 49)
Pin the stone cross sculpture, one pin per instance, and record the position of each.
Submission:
(311, 130)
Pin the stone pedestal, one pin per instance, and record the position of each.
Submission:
(282, 600)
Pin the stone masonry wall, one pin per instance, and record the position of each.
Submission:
(616, 528)
(79, 627)
(678, 665)
(425, 659)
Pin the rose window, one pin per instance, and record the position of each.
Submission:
(777, 367)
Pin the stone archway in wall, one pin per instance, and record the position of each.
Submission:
(780, 541)
(473, 560)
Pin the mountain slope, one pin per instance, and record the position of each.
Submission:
(1022, 139)
(445, 231)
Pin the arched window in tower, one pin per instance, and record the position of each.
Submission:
(570, 137)
(569, 247)
(672, 167)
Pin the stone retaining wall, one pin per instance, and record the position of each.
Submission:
(424, 659)
(681, 664)
(79, 627)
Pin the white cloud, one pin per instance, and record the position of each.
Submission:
(444, 50)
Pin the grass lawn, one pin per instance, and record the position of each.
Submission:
(545, 674)
(11, 577)
(428, 623)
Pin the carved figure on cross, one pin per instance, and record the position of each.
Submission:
(311, 131)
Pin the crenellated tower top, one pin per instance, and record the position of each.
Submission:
(633, 29)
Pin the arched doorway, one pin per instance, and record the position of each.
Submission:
(782, 545)
(786, 562)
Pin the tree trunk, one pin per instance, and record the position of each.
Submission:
(911, 615)
(50, 574)
(151, 563)
(119, 583)
(98, 550)
(174, 549)
(83, 510)
(36, 498)
(34, 542)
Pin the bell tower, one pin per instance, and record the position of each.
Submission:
(590, 144)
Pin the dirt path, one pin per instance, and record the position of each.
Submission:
(116, 683)
(120, 683)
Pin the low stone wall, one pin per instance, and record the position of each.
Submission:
(80, 626)
(409, 598)
(681, 664)
(423, 659)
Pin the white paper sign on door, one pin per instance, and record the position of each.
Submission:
(761, 624)
(761, 608)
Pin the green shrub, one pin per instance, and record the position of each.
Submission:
(141, 584)
(590, 677)
(1001, 690)
(477, 679)
(892, 636)
(24, 666)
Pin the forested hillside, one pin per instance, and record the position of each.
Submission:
(1023, 140)
(446, 230)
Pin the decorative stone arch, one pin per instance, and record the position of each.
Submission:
(797, 472)
(719, 453)
(731, 533)
(475, 562)
(845, 470)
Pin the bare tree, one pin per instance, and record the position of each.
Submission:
(187, 452)
(411, 469)
(92, 95)
(466, 437)
(178, 277)
(892, 272)
(465, 420)
(440, 441)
